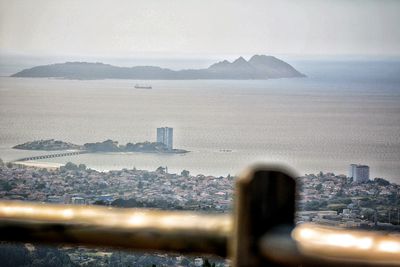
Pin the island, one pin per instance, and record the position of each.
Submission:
(97, 147)
(257, 67)
(48, 145)
(145, 147)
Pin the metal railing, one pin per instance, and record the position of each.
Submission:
(260, 231)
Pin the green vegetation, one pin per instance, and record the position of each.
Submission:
(161, 170)
(69, 166)
(208, 264)
(49, 145)
(316, 205)
(318, 187)
(6, 185)
(381, 181)
(185, 173)
(105, 146)
(12, 255)
(336, 207)
(113, 146)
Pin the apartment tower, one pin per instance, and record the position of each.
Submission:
(165, 135)
(360, 173)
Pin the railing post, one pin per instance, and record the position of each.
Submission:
(265, 199)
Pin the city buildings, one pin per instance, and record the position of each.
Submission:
(360, 173)
(78, 200)
(165, 136)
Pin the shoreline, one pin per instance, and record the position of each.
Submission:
(53, 166)
(40, 165)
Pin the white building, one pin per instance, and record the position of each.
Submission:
(165, 135)
(78, 200)
(55, 199)
(360, 173)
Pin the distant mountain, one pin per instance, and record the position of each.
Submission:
(258, 67)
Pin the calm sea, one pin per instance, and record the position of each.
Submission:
(342, 113)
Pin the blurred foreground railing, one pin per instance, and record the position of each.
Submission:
(260, 232)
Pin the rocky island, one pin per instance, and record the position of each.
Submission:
(105, 146)
(260, 67)
(48, 145)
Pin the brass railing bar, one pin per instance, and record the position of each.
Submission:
(138, 229)
(315, 245)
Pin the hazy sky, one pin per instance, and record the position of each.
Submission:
(216, 27)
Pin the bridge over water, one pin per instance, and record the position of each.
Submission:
(57, 155)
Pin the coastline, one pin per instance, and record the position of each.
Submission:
(108, 146)
(41, 165)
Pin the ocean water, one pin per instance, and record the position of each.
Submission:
(342, 113)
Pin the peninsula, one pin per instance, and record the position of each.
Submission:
(48, 145)
(257, 67)
(105, 146)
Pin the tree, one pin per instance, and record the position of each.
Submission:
(140, 184)
(5, 185)
(160, 170)
(315, 205)
(82, 167)
(340, 193)
(207, 263)
(381, 182)
(14, 255)
(368, 213)
(185, 173)
(41, 185)
(19, 255)
(318, 187)
(71, 166)
(47, 257)
(100, 203)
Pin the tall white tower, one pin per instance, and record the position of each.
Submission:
(165, 135)
(360, 173)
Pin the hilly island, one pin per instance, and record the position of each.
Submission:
(105, 146)
(257, 67)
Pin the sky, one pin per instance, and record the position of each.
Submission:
(152, 28)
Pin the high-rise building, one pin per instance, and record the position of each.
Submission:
(360, 173)
(352, 170)
(165, 135)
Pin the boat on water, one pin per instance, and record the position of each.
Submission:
(138, 86)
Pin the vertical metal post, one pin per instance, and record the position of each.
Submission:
(265, 199)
